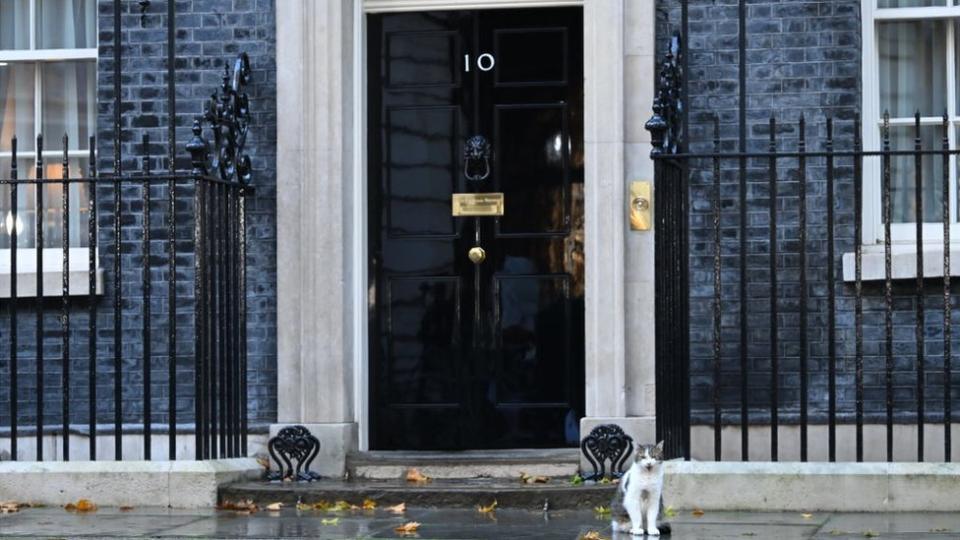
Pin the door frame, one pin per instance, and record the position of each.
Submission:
(604, 316)
(322, 283)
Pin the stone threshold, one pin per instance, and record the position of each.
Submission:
(557, 493)
(505, 464)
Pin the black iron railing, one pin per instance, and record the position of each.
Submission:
(156, 338)
(781, 339)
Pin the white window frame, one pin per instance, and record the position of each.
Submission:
(902, 233)
(52, 257)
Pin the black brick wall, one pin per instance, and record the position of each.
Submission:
(209, 34)
(802, 57)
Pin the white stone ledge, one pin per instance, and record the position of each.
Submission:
(903, 262)
(808, 487)
(174, 484)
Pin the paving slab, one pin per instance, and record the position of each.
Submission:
(462, 523)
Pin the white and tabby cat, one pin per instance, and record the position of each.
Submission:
(639, 494)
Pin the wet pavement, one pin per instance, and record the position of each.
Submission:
(460, 524)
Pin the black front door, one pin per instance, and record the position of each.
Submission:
(476, 322)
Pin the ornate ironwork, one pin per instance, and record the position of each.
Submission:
(476, 149)
(228, 113)
(293, 444)
(666, 124)
(606, 442)
(144, 6)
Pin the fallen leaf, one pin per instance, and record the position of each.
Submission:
(329, 521)
(9, 507)
(339, 506)
(697, 512)
(871, 534)
(274, 507)
(669, 512)
(604, 480)
(837, 532)
(244, 506)
(414, 475)
(602, 510)
(86, 505)
(576, 480)
(126, 508)
(70, 507)
(592, 535)
(748, 534)
(529, 479)
(806, 516)
(369, 504)
(409, 527)
(303, 506)
(265, 463)
(397, 508)
(321, 505)
(939, 530)
(487, 509)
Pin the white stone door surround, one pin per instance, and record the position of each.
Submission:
(321, 214)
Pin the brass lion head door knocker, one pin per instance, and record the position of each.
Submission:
(476, 158)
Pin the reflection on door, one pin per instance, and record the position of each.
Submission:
(483, 351)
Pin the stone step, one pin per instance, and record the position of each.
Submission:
(505, 464)
(558, 493)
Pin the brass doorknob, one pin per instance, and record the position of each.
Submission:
(477, 255)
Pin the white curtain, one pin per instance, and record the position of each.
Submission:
(913, 69)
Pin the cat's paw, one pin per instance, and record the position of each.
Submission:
(653, 531)
(636, 531)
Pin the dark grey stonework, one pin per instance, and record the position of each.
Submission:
(209, 34)
(802, 57)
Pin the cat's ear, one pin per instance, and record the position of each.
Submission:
(660, 446)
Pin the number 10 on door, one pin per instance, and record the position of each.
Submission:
(485, 62)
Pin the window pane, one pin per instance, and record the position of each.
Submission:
(910, 3)
(14, 24)
(53, 213)
(68, 106)
(16, 105)
(912, 67)
(903, 175)
(66, 24)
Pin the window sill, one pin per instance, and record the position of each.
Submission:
(52, 284)
(903, 262)
(79, 273)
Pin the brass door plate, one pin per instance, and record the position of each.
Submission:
(477, 204)
(641, 205)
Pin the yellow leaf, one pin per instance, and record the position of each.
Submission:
(592, 535)
(697, 512)
(871, 534)
(329, 521)
(304, 506)
(339, 506)
(265, 463)
(398, 508)
(602, 510)
(369, 504)
(806, 516)
(414, 475)
(670, 512)
(86, 505)
(274, 507)
(604, 480)
(487, 509)
(408, 527)
(321, 505)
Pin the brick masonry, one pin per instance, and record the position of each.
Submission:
(209, 34)
(802, 57)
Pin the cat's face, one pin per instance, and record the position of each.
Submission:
(649, 456)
